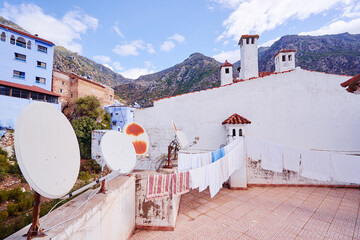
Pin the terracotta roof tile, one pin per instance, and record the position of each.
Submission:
(248, 36)
(29, 88)
(236, 119)
(284, 51)
(353, 84)
(226, 64)
(26, 34)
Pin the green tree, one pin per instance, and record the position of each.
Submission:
(88, 106)
(83, 128)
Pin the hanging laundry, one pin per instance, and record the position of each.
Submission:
(216, 155)
(204, 174)
(197, 175)
(346, 168)
(291, 158)
(316, 165)
(224, 168)
(272, 157)
(215, 178)
(180, 183)
(158, 186)
(254, 148)
(184, 161)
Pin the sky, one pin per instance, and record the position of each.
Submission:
(135, 38)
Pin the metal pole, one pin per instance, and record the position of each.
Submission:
(34, 230)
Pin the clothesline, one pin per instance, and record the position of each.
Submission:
(318, 165)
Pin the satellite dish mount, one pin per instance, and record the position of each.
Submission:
(35, 230)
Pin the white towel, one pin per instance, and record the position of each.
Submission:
(254, 148)
(346, 168)
(316, 165)
(291, 159)
(224, 168)
(272, 157)
(184, 162)
(204, 178)
(214, 178)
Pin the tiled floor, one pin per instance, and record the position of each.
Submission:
(266, 213)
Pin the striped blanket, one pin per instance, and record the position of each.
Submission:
(158, 186)
(180, 183)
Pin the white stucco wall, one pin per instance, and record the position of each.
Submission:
(249, 59)
(226, 78)
(281, 66)
(301, 109)
(106, 216)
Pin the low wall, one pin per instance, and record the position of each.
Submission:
(106, 216)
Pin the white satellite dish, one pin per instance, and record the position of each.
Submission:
(118, 152)
(47, 150)
(183, 141)
(138, 137)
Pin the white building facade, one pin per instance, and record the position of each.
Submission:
(26, 64)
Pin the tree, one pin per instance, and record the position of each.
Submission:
(83, 128)
(88, 106)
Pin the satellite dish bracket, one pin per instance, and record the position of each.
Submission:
(173, 147)
(35, 230)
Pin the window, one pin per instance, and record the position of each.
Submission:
(247, 41)
(29, 45)
(63, 83)
(116, 113)
(41, 97)
(234, 132)
(252, 40)
(34, 95)
(18, 74)
(111, 114)
(227, 70)
(51, 99)
(3, 37)
(240, 132)
(110, 97)
(20, 41)
(61, 90)
(114, 123)
(289, 57)
(12, 39)
(283, 58)
(4, 90)
(15, 92)
(41, 64)
(42, 49)
(24, 94)
(20, 57)
(71, 95)
(40, 80)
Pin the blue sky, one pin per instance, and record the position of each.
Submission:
(139, 37)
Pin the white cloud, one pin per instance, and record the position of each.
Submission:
(167, 46)
(135, 73)
(132, 48)
(258, 16)
(117, 66)
(177, 37)
(352, 26)
(231, 56)
(65, 31)
(232, 4)
(118, 32)
(269, 43)
(102, 59)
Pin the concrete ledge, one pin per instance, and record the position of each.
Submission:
(156, 228)
(302, 185)
(105, 216)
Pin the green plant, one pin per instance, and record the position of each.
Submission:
(3, 215)
(26, 201)
(12, 209)
(88, 106)
(16, 194)
(84, 176)
(91, 166)
(4, 195)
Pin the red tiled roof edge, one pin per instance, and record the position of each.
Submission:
(352, 84)
(26, 34)
(29, 88)
(285, 50)
(226, 64)
(236, 119)
(248, 36)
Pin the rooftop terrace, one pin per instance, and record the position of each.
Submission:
(266, 213)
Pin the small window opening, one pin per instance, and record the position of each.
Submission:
(234, 132)
(240, 132)
(283, 58)
(42, 49)
(41, 64)
(289, 57)
(29, 45)
(20, 41)
(20, 57)
(3, 36)
(114, 123)
(61, 90)
(252, 40)
(247, 41)
(40, 80)
(12, 39)
(227, 70)
(63, 83)
(18, 74)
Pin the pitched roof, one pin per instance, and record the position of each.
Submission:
(226, 64)
(236, 119)
(29, 88)
(26, 34)
(353, 84)
(73, 75)
(284, 51)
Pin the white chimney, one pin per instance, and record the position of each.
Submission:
(249, 56)
(226, 73)
(285, 60)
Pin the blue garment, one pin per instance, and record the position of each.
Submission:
(216, 155)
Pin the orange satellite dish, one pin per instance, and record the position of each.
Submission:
(138, 137)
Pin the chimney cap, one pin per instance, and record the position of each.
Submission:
(226, 64)
(248, 36)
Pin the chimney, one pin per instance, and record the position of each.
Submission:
(285, 60)
(249, 56)
(226, 73)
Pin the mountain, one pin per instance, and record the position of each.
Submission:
(195, 73)
(67, 61)
(6, 22)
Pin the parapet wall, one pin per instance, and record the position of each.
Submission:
(106, 216)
